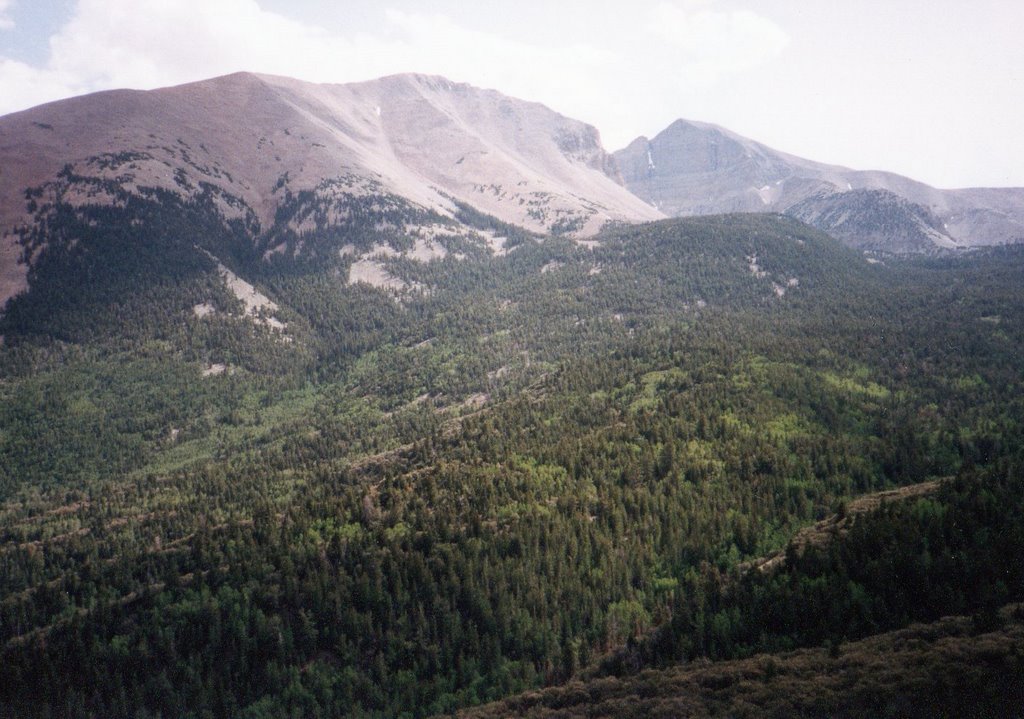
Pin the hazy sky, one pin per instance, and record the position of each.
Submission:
(934, 90)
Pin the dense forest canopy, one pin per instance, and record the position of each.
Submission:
(517, 468)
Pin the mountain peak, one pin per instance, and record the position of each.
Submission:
(255, 138)
(698, 168)
(681, 123)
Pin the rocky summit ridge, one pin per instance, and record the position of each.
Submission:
(285, 156)
(250, 141)
(694, 168)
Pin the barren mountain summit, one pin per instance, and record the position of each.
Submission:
(695, 168)
(247, 142)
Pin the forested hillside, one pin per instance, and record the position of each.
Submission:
(498, 472)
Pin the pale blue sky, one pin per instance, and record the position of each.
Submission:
(932, 89)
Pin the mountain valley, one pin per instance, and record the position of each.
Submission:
(391, 399)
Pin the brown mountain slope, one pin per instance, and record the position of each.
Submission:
(257, 138)
(950, 668)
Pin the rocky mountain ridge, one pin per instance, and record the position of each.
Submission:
(694, 168)
(410, 155)
(249, 143)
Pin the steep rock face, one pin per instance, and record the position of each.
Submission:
(250, 144)
(695, 168)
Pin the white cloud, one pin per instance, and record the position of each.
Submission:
(144, 43)
(628, 67)
(6, 21)
(563, 76)
(25, 86)
(610, 79)
(151, 43)
(709, 44)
